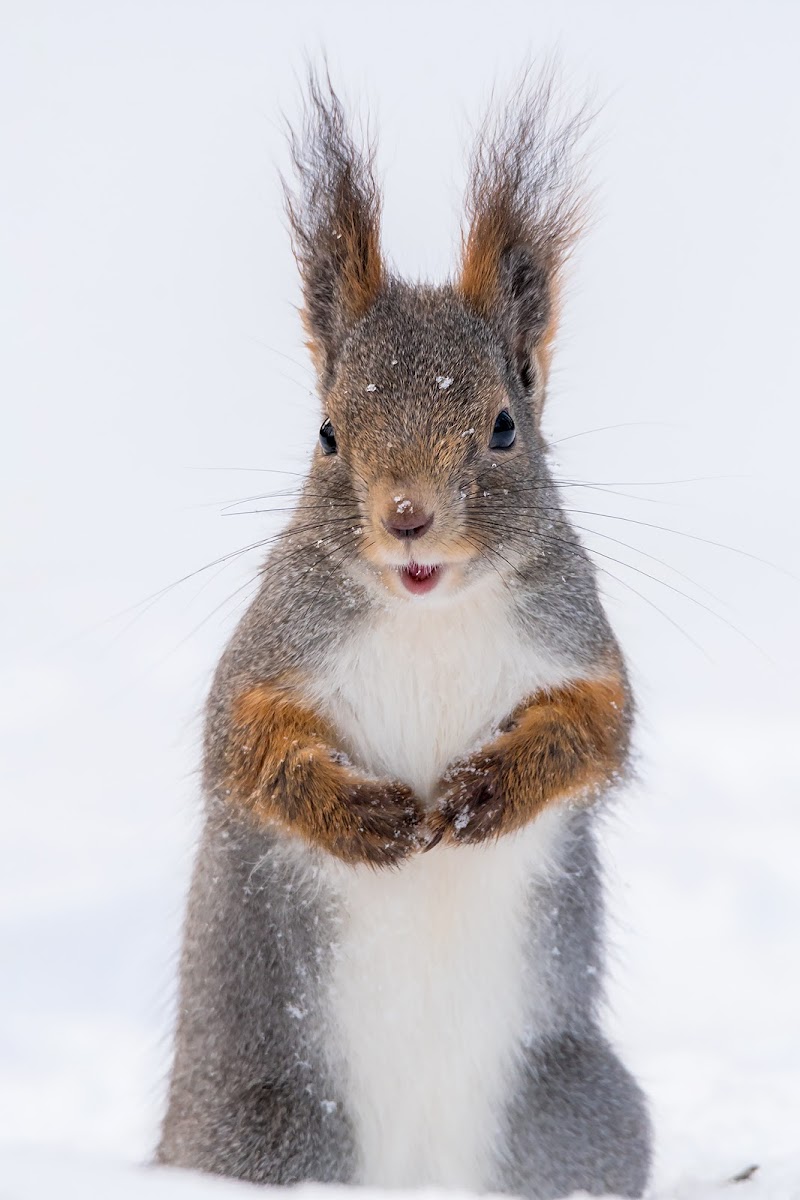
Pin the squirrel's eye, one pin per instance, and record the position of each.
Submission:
(504, 433)
(327, 438)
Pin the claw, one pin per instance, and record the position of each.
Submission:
(434, 841)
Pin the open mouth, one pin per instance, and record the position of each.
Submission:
(419, 579)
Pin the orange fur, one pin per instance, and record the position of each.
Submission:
(362, 274)
(482, 250)
(282, 765)
(525, 211)
(564, 744)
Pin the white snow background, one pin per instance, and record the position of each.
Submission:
(152, 366)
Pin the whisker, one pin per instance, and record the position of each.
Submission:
(248, 512)
(282, 354)
(609, 488)
(345, 547)
(248, 583)
(636, 550)
(277, 494)
(654, 558)
(692, 599)
(147, 602)
(626, 584)
(691, 536)
(621, 425)
(141, 607)
(549, 509)
(483, 544)
(666, 482)
(254, 470)
(656, 579)
(659, 610)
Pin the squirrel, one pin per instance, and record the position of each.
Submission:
(393, 950)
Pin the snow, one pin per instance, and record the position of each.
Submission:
(70, 1178)
(153, 368)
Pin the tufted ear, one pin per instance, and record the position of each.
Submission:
(335, 220)
(524, 214)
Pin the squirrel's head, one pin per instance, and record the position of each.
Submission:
(430, 446)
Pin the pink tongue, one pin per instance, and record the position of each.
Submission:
(419, 572)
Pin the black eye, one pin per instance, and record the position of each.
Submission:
(327, 438)
(504, 433)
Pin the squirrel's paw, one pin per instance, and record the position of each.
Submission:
(470, 807)
(380, 826)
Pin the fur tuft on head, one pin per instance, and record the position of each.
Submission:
(335, 221)
(524, 212)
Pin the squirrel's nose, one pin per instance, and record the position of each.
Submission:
(410, 523)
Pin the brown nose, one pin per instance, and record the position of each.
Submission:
(411, 524)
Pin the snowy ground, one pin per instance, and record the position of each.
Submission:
(146, 301)
(71, 1179)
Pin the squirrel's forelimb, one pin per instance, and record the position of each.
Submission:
(563, 744)
(281, 763)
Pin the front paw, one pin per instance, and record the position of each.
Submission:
(470, 807)
(380, 823)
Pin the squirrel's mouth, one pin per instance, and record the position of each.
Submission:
(419, 579)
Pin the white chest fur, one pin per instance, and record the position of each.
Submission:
(433, 990)
(428, 682)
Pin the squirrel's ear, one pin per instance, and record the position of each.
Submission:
(335, 222)
(524, 214)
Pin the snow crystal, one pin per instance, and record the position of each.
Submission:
(371, 387)
(444, 381)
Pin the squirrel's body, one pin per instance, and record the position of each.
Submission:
(392, 959)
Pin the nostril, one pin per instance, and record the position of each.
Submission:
(412, 525)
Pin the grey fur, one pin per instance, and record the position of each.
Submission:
(254, 1091)
(251, 1094)
(576, 1120)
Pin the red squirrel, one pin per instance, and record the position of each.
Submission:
(393, 951)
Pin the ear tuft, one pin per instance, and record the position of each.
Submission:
(335, 221)
(525, 211)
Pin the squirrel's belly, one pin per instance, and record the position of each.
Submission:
(435, 990)
(435, 985)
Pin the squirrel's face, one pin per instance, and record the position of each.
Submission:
(428, 435)
(431, 467)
